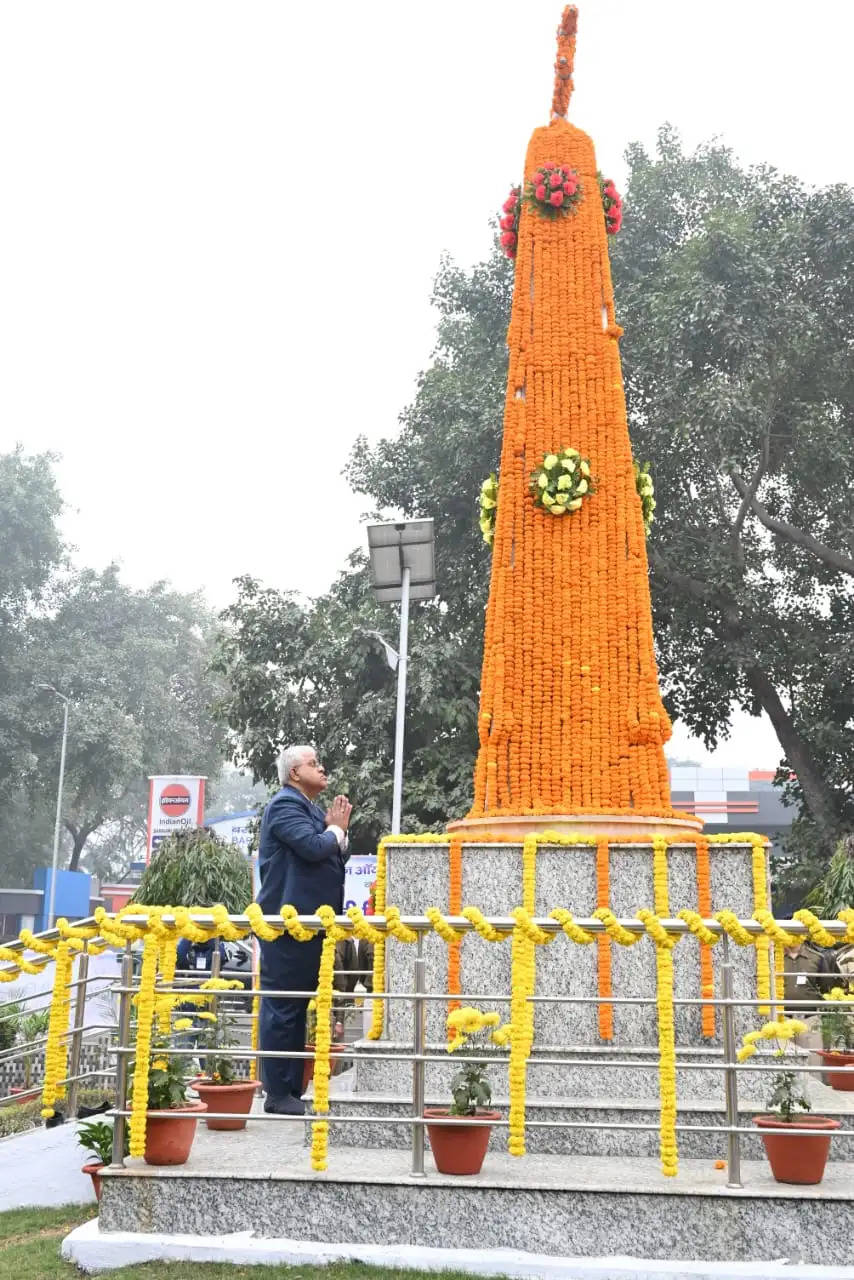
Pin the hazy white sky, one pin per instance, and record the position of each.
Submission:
(221, 222)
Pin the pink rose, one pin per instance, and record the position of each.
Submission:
(556, 198)
(509, 204)
(555, 180)
(508, 239)
(540, 193)
(538, 179)
(569, 188)
(507, 222)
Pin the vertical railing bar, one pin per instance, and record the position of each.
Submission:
(730, 1074)
(419, 1045)
(77, 1032)
(120, 1121)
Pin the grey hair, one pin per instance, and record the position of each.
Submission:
(289, 757)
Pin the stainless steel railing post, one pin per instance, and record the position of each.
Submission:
(120, 1122)
(77, 1031)
(419, 1040)
(730, 1075)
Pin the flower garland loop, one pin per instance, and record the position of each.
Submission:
(646, 493)
(144, 1000)
(664, 944)
(561, 482)
(509, 222)
(612, 204)
(56, 1049)
(553, 191)
(323, 1035)
(488, 508)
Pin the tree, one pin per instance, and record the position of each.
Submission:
(735, 288)
(315, 674)
(135, 666)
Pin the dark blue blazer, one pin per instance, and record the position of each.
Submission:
(299, 861)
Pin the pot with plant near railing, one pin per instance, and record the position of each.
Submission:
(459, 1145)
(168, 1139)
(794, 1156)
(837, 1030)
(213, 1030)
(96, 1137)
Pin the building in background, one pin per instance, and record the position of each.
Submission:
(732, 799)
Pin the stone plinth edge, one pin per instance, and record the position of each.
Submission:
(614, 825)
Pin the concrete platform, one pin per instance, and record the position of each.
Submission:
(582, 1207)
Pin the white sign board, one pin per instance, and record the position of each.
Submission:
(360, 873)
(175, 803)
(234, 828)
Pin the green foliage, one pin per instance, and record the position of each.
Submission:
(96, 1137)
(470, 1089)
(11, 1012)
(785, 1100)
(216, 1032)
(196, 869)
(168, 1076)
(835, 890)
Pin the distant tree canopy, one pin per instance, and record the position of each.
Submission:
(134, 665)
(735, 289)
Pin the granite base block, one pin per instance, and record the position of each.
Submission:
(552, 1213)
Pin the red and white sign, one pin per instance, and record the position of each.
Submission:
(174, 804)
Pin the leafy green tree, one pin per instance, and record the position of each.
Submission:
(135, 666)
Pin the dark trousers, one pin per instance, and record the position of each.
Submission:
(286, 965)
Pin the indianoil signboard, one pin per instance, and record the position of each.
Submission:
(175, 803)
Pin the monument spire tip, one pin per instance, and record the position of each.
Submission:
(564, 62)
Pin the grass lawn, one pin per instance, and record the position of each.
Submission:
(30, 1240)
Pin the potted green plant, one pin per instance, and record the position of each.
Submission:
(793, 1156)
(96, 1137)
(837, 1028)
(30, 1027)
(168, 1139)
(458, 1145)
(214, 1030)
(196, 869)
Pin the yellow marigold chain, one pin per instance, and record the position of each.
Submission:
(145, 1002)
(441, 926)
(773, 930)
(818, 934)
(656, 929)
(732, 926)
(225, 928)
(614, 929)
(846, 915)
(266, 932)
(362, 929)
(483, 927)
(694, 921)
(167, 959)
(298, 931)
(397, 928)
(573, 931)
(323, 1035)
(23, 964)
(531, 931)
(378, 1006)
(55, 1056)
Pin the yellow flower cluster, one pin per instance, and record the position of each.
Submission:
(763, 944)
(144, 1020)
(323, 1036)
(56, 1049)
(780, 1030)
(167, 959)
(483, 927)
(488, 504)
(664, 944)
(266, 932)
(465, 1022)
(298, 931)
(838, 993)
(378, 1006)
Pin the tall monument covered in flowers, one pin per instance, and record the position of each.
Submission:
(572, 725)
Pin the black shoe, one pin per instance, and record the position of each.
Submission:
(289, 1106)
(52, 1121)
(83, 1113)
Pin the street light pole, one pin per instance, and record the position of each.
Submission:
(403, 652)
(51, 910)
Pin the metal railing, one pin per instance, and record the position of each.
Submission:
(420, 1056)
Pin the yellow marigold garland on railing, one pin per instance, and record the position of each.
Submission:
(378, 1006)
(704, 909)
(144, 1021)
(56, 1051)
(664, 944)
(763, 944)
(455, 903)
(323, 1036)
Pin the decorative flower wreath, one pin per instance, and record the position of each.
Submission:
(554, 191)
(561, 482)
(646, 493)
(612, 203)
(509, 221)
(488, 505)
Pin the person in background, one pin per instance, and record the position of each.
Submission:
(301, 859)
(807, 974)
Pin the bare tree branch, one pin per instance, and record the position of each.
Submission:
(782, 528)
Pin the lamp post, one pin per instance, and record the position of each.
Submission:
(56, 829)
(402, 569)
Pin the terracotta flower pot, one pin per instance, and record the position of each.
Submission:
(308, 1063)
(226, 1097)
(842, 1080)
(93, 1168)
(168, 1140)
(795, 1158)
(459, 1147)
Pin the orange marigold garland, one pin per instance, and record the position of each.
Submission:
(603, 942)
(704, 907)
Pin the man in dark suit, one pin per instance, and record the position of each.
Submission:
(301, 861)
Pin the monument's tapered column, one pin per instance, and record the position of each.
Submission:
(571, 719)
